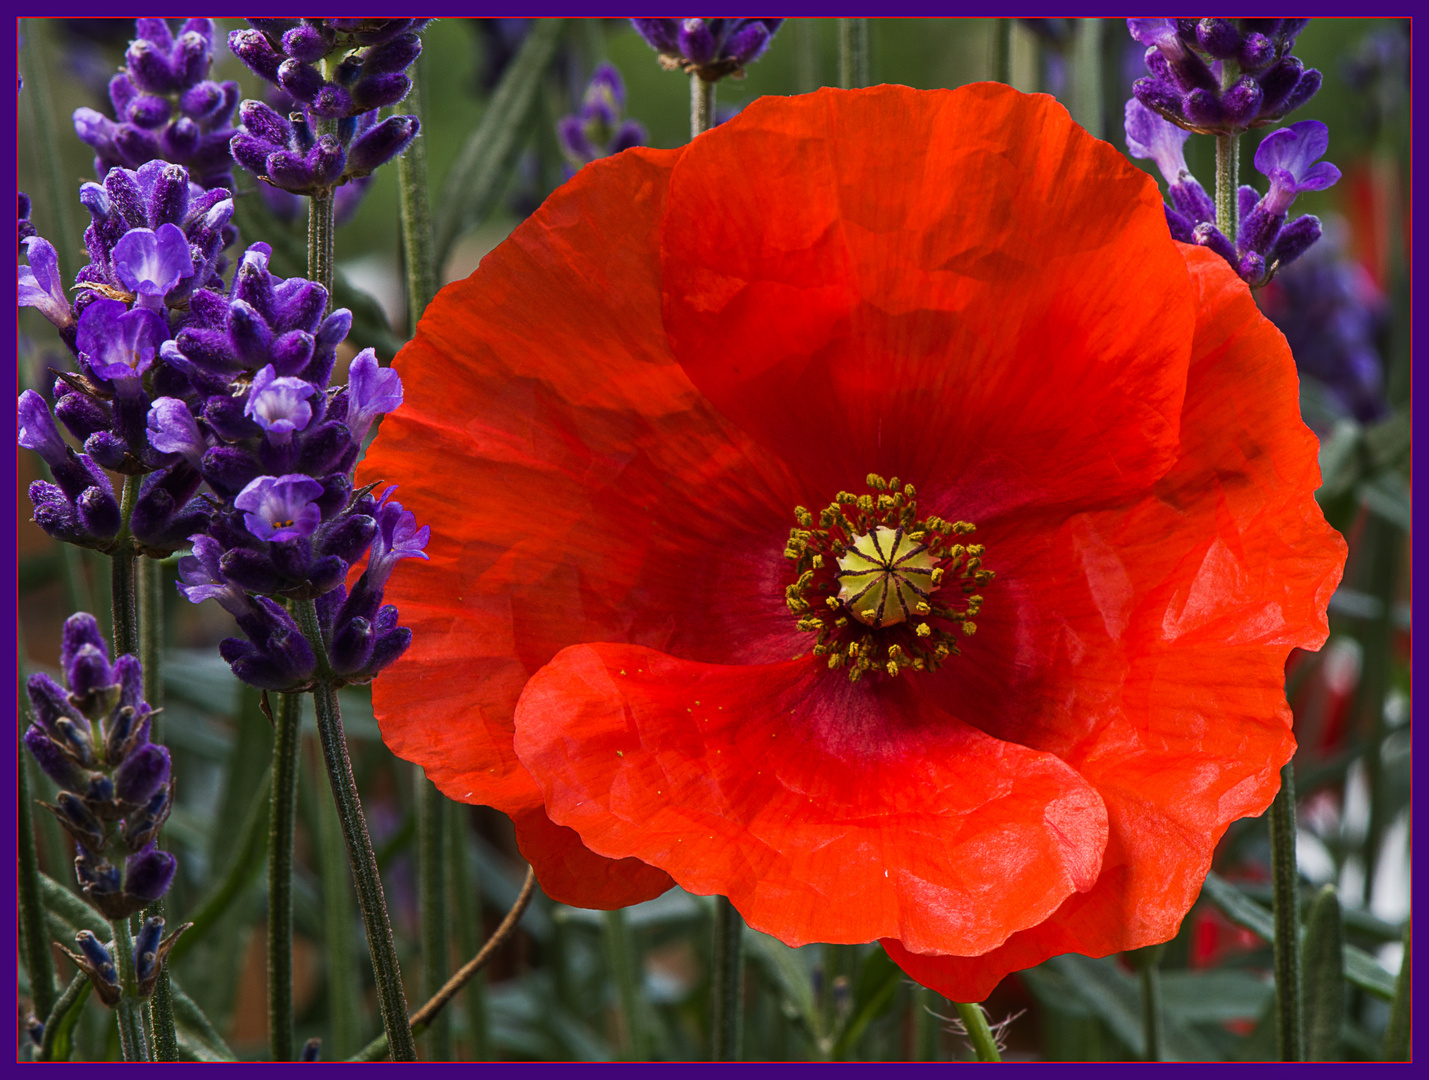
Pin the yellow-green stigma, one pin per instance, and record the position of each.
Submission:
(876, 582)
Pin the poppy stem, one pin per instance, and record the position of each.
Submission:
(131, 1027)
(465, 906)
(853, 53)
(432, 878)
(282, 815)
(625, 965)
(975, 1023)
(1148, 965)
(702, 105)
(418, 246)
(1289, 1026)
(726, 982)
(1002, 51)
(391, 1000)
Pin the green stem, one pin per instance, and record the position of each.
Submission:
(702, 105)
(34, 941)
(625, 965)
(418, 246)
(1002, 51)
(391, 1001)
(345, 1007)
(320, 243)
(1148, 962)
(1289, 1026)
(853, 53)
(431, 873)
(1396, 1035)
(726, 982)
(1087, 76)
(124, 592)
(465, 894)
(975, 1022)
(282, 816)
(806, 62)
(1228, 167)
(131, 1028)
(925, 1029)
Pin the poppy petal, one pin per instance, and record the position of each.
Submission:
(823, 813)
(570, 873)
(1226, 568)
(934, 256)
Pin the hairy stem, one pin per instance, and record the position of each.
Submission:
(702, 105)
(975, 1022)
(132, 1043)
(1289, 1025)
(282, 816)
(431, 873)
(418, 247)
(625, 965)
(391, 1000)
(853, 53)
(124, 584)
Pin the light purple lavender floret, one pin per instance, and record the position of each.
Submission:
(201, 577)
(280, 508)
(372, 390)
(172, 430)
(38, 431)
(150, 262)
(119, 345)
(41, 286)
(279, 404)
(397, 538)
(1150, 136)
(1290, 158)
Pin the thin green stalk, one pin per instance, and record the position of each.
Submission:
(702, 105)
(465, 906)
(131, 1028)
(853, 53)
(282, 816)
(391, 1000)
(1396, 1035)
(418, 246)
(975, 1023)
(431, 874)
(124, 591)
(34, 941)
(60, 1020)
(1289, 1024)
(1228, 167)
(925, 1027)
(321, 226)
(1087, 76)
(344, 988)
(1002, 51)
(806, 57)
(625, 966)
(1148, 964)
(726, 982)
(1323, 961)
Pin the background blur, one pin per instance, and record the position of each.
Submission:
(1344, 308)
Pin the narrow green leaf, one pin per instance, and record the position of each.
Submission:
(195, 1028)
(478, 176)
(877, 984)
(786, 971)
(1396, 1036)
(1324, 967)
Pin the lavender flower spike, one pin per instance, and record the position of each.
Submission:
(1149, 136)
(709, 48)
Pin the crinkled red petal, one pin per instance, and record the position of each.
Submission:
(1208, 584)
(824, 811)
(570, 873)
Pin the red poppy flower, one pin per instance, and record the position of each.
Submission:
(680, 612)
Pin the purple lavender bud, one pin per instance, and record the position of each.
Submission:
(146, 949)
(228, 470)
(1191, 199)
(352, 644)
(91, 680)
(150, 262)
(662, 35)
(280, 508)
(200, 578)
(1295, 239)
(379, 91)
(1258, 230)
(201, 101)
(165, 512)
(107, 449)
(147, 111)
(1180, 225)
(53, 761)
(249, 333)
(332, 103)
(1242, 101)
(381, 144)
(172, 430)
(393, 56)
(348, 538)
(291, 352)
(371, 391)
(41, 286)
(388, 649)
(81, 414)
(81, 823)
(1277, 82)
(1203, 109)
(141, 828)
(307, 43)
(1160, 98)
(81, 630)
(1207, 235)
(696, 42)
(278, 657)
(1246, 199)
(1256, 51)
(1306, 88)
(335, 327)
(748, 43)
(99, 961)
(148, 67)
(253, 49)
(1289, 158)
(98, 512)
(148, 874)
(264, 124)
(1251, 268)
(141, 774)
(1219, 37)
(49, 701)
(301, 81)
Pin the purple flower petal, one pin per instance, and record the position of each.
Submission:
(371, 391)
(1150, 136)
(280, 508)
(119, 344)
(279, 405)
(172, 430)
(151, 262)
(40, 284)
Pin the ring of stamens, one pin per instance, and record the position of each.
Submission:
(883, 590)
